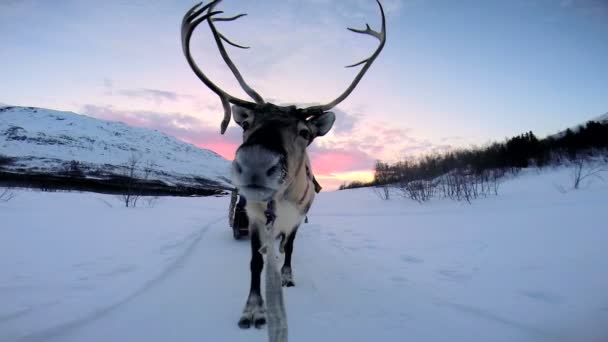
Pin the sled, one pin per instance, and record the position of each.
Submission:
(239, 222)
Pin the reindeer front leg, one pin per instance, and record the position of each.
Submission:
(254, 312)
(287, 248)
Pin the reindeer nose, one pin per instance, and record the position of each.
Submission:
(255, 164)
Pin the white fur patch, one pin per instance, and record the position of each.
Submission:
(288, 218)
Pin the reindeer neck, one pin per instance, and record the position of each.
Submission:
(301, 187)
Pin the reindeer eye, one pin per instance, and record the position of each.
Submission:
(245, 125)
(304, 133)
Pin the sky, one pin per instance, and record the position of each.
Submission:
(453, 74)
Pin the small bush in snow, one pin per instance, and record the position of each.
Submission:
(583, 168)
(133, 176)
(419, 190)
(383, 192)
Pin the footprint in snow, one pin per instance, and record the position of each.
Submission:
(541, 296)
(82, 288)
(123, 269)
(411, 259)
(454, 275)
(83, 264)
(369, 247)
(398, 279)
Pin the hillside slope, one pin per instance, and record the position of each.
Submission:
(44, 141)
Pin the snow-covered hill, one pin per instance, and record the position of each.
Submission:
(41, 140)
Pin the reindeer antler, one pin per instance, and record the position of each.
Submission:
(198, 14)
(381, 36)
(191, 20)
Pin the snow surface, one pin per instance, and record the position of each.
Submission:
(527, 265)
(45, 139)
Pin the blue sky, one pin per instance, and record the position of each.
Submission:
(453, 73)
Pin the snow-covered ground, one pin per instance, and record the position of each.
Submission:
(528, 265)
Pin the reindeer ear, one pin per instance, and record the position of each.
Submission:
(242, 115)
(322, 124)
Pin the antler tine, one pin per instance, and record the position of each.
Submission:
(230, 18)
(381, 36)
(232, 43)
(190, 21)
(237, 74)
(224, 37)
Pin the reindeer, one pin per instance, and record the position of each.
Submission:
(271, 165)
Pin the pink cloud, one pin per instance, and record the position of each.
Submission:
(225, 149)
(328, 161)
(184, 127)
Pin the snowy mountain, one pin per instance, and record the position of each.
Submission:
(37, 141)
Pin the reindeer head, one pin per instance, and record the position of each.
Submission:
(274, 147)
(275, 138)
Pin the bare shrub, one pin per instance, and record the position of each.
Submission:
(463, 185)
(457, 185)
(133, 174)
(419, 190)
(582, 169)
(130, 196)
(490, 181)
(383, 192)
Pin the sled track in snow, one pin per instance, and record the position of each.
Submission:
(61, 329)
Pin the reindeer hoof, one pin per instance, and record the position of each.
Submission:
(260, 322)
(245, 322)
(253, 315)
(287, 277)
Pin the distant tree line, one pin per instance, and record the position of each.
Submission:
(482, 167)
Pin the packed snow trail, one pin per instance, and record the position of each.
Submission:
(66, 328)
(527, 265)
(201, 301)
